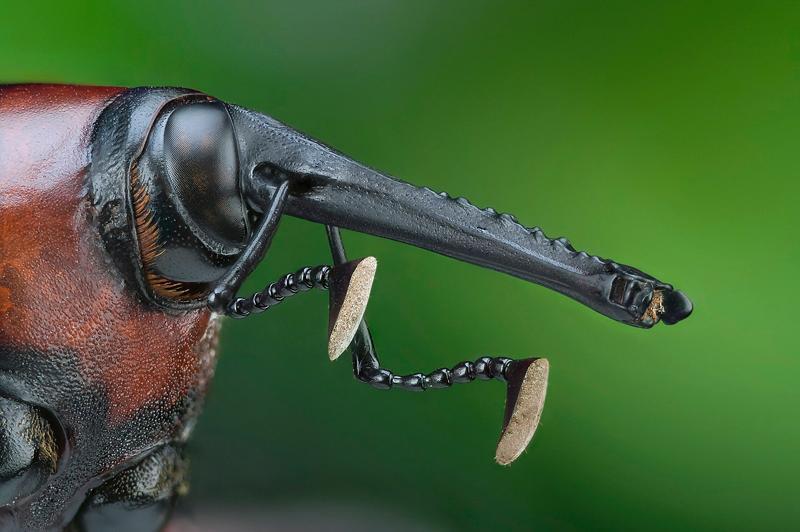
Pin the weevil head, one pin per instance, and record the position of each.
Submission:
(207, 170)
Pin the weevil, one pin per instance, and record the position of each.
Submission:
(129, 219)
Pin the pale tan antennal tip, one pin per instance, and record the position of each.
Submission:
(527, 388)
(350, 285)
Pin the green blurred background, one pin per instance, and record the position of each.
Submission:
(663, 135)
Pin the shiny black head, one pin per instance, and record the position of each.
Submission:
(207, 171)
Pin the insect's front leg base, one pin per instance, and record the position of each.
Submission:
(140, 498)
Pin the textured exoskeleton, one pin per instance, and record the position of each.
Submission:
(128, 221)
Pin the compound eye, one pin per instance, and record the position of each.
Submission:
(28, 450)
(202, 168)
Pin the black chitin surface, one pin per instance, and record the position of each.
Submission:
(89, 450)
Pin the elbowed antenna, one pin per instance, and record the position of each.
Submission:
(330, 188)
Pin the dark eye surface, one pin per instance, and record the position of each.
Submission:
(28, 450)
(202, 168)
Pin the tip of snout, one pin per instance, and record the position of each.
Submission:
(527, 388)
(350, 286)
(677, 307)
(668, 306)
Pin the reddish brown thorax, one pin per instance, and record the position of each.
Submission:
(60, 293)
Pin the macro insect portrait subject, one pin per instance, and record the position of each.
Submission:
(129, 219)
